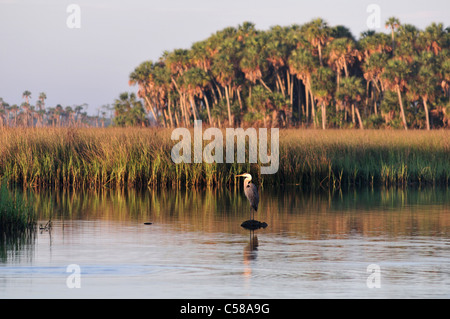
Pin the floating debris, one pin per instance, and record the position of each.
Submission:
(147, 223)
(46, 227)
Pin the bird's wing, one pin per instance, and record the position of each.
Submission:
(251, 192)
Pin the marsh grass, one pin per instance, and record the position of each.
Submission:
(141, 157)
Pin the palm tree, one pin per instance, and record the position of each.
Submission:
(323, 86)
(408, 46)
(26, 95)
(342, 53)
(425, 82)
(216, 77)
(395, 77)
(224, 72)
(318, 33)
(426, 88)
(372, 68)
(129, 111)
(26, 111)
(434, 38)
(15, 109)
(70, 116)
(26, 105)
(59, 111)
(253, 63)
(40, 117)
(194, 81)
(372, 43)
(178, 62)
(42, 97)
(303, 64)
(77, 109)
(278, 47)
(392, 23)
(444, 71)
(350, 92)
(199, 56)
(161, 84)
(140, 76)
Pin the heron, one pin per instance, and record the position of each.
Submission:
(251, 192)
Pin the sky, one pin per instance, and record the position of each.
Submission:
(42, 51)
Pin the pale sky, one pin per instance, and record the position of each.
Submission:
(91, 64)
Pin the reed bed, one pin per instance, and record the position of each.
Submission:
(141, 157)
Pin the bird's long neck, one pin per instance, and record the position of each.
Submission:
(247, 180)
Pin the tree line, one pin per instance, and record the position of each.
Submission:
(39, 115)
(310, 75)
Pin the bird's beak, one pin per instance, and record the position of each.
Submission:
(240, 175)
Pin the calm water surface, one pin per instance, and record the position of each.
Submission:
(316, 245)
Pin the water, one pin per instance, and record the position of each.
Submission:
(316, 245)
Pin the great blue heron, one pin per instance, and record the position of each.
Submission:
(251, 192)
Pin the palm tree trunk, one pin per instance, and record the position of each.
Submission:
(164, 118)
(320, 54)
(401, 108)
(338, 77)
(307, 103)
(187, 113)
(361, 126)
(291, 90)
(301, 106)
(281, 85)
(170, 112)
(313, 107)
(218, 89)
(229, 107)
(239, 99)
(151, 109)
(207, 108)
(353, 114)
(393, 41)
(324, 116)
(265, 85)
(346, 70)
(183, 111)
(191, 101)
(426, 113)
(367, 94)
(177, 121)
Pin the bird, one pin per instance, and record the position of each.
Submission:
(251, 192)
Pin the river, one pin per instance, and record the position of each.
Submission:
(357, 243)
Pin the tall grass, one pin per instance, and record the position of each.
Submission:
(372, 157)
(140, 157)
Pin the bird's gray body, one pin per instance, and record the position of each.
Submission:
(251, 192)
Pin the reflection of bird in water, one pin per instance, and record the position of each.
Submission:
(250, 254)
(251, 192)
(252, 247)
